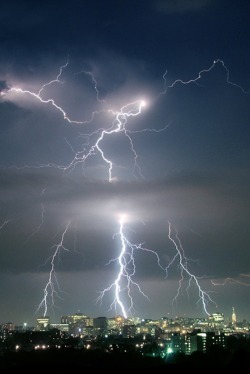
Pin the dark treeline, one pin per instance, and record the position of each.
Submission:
(71, 360)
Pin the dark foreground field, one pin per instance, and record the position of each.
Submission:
(78, 361)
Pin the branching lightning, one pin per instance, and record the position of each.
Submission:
(204, 297)
(233, 281)
(124, 282)
(52, 287)
(199, 76)
(119, 125)
(39, 95)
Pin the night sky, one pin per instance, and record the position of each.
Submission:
(137, 109)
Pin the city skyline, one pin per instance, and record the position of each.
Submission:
(78, 315)
(124, 144)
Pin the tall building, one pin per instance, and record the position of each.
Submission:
(100, 325)
(9, 326)
(233, 317)
(78, 323)
(43, 323)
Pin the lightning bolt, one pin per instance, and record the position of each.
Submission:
(4, 224)
(120, 117)
(204, 297)
(52, 288)
(94, 81)
(41, 221)
(233, 281)
(118, 126)
(124, 282)
(39, 95)
(199, 76)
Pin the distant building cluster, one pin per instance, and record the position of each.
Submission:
(154, 337)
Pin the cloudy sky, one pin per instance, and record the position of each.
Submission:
(124, 158)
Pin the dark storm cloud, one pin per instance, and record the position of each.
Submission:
(209, 210)
(3, 87)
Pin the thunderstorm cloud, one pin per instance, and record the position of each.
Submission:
(73, 161)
